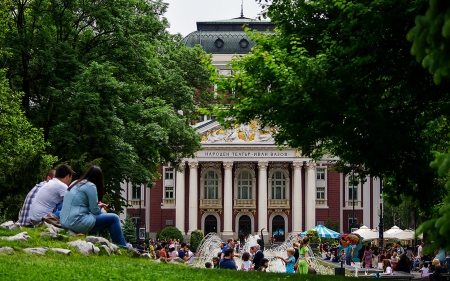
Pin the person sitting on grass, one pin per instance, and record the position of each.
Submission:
(263, 265)
(227, 261)
(289, 261)
(208, 265)
(215, 261)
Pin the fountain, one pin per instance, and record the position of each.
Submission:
(210, 247)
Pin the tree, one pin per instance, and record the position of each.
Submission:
(337, 78)
(431, 39)
(195, 240)
(129, 229)
(169, 233)
(107, 84)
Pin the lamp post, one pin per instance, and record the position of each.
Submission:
(380, 225)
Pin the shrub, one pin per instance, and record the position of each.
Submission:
(314, 237)
(196, 238)
(129, 229)
(168, 233)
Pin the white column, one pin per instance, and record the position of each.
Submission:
(341, 202)
(179, 200)
(262, 198)
(366, 198)
(228, 200)
(297, 197)
(193, 196)
(310, 198)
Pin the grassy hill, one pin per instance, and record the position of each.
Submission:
(54, 266)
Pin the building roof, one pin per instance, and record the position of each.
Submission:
(226, 36)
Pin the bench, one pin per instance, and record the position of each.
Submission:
(405, 276)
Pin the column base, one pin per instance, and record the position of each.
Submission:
(227, 234)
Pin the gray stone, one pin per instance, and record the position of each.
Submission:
(71, 233)
(100, 240)
(37, 251)
(10, 225)
(23, 236)
(52, 235)
(52, 228)
(146, 255)
(7, 250)
(107, 249)
(86, 248)
(61, 251)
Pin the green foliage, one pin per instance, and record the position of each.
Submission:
(430, 37)
(170, 232)
(344, 83)
(129, 229)
(195, 239)
(105, 82)
(333, 225)
(438, 227)
(313, 235)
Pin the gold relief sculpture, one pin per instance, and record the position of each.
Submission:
(253, 211)
(241, 135)
(297, 153)
(245, 132)
(204, 138)
(252, 137)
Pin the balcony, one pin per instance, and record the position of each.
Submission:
(278, 203)
(169, 201)
(245, 203)
(349, 203)
(210, 203)
(135, 203)
(321, 202)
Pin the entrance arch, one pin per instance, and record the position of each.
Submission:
(278, 228)
(210, 224)
(244, 227)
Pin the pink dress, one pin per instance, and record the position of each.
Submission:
(368, 258)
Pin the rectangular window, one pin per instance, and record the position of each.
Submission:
(169, 222)
(169, 192)
(320, 172)
(168, 174)
(353, 193)
(136, 193)
(320, 194)
(352, 220)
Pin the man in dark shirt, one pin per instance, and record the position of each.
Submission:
(259, 255)
(183, 252)
(227, 261)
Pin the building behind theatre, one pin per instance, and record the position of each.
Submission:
(240, 182)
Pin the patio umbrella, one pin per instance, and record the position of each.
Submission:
(323, 232)
(366, 233)
(406, 234)
(391, 233)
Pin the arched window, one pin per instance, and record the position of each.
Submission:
(278, 185)
(245, 185)
(211, 187)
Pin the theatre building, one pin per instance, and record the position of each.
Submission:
(241, 182)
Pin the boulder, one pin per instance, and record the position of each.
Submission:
(6, 250)
(55, 236)
(10, 225)
(53, 229)
(37, 251)
(23, 236)
(86, 248)
(61, 251)
(100, 240)
(107, 249)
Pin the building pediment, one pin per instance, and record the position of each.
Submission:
(214, 133)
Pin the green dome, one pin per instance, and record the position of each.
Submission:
(220, 42)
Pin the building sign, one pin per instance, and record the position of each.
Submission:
(250, 154)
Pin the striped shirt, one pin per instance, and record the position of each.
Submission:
(24, 214)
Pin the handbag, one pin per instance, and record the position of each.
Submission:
(52, 219)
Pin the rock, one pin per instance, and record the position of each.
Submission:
(107, 249)
(100, 240)
(23, 236)
(71, 233)
(86, 248)
(10, 225)
(7, 250)
(52, 228)
(61, 251)
(146, 255)
(38, 251)
(52, 235)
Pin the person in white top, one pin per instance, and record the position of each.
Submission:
(424, 271)
(387, 269)
(51, 195)
(419, 250)
(246, 262)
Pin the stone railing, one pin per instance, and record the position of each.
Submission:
(210, 203)
(135, 203)
(321, 202)
(278, 203)
(349, 203)
(169, 201)
(245, 203)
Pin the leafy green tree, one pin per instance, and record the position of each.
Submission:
(337, 78)
(107, 84)
(333, 225)
(170, 232)
(129, 229)
(431, 39)
(195, 239)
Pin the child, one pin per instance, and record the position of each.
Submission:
(263, 265)
(289, 261)
(424, 271)
(208, 265)
(246, 263)
(216, 263)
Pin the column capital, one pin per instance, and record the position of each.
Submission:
(262, 165)
(228, 165)
(311, 165)
(297, 165)
(193, 165)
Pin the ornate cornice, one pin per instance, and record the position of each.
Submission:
(279, 165)
(247, 165)
(228, 165)
(193, 165)
(215, 165)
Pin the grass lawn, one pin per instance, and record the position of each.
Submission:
(53, 266)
